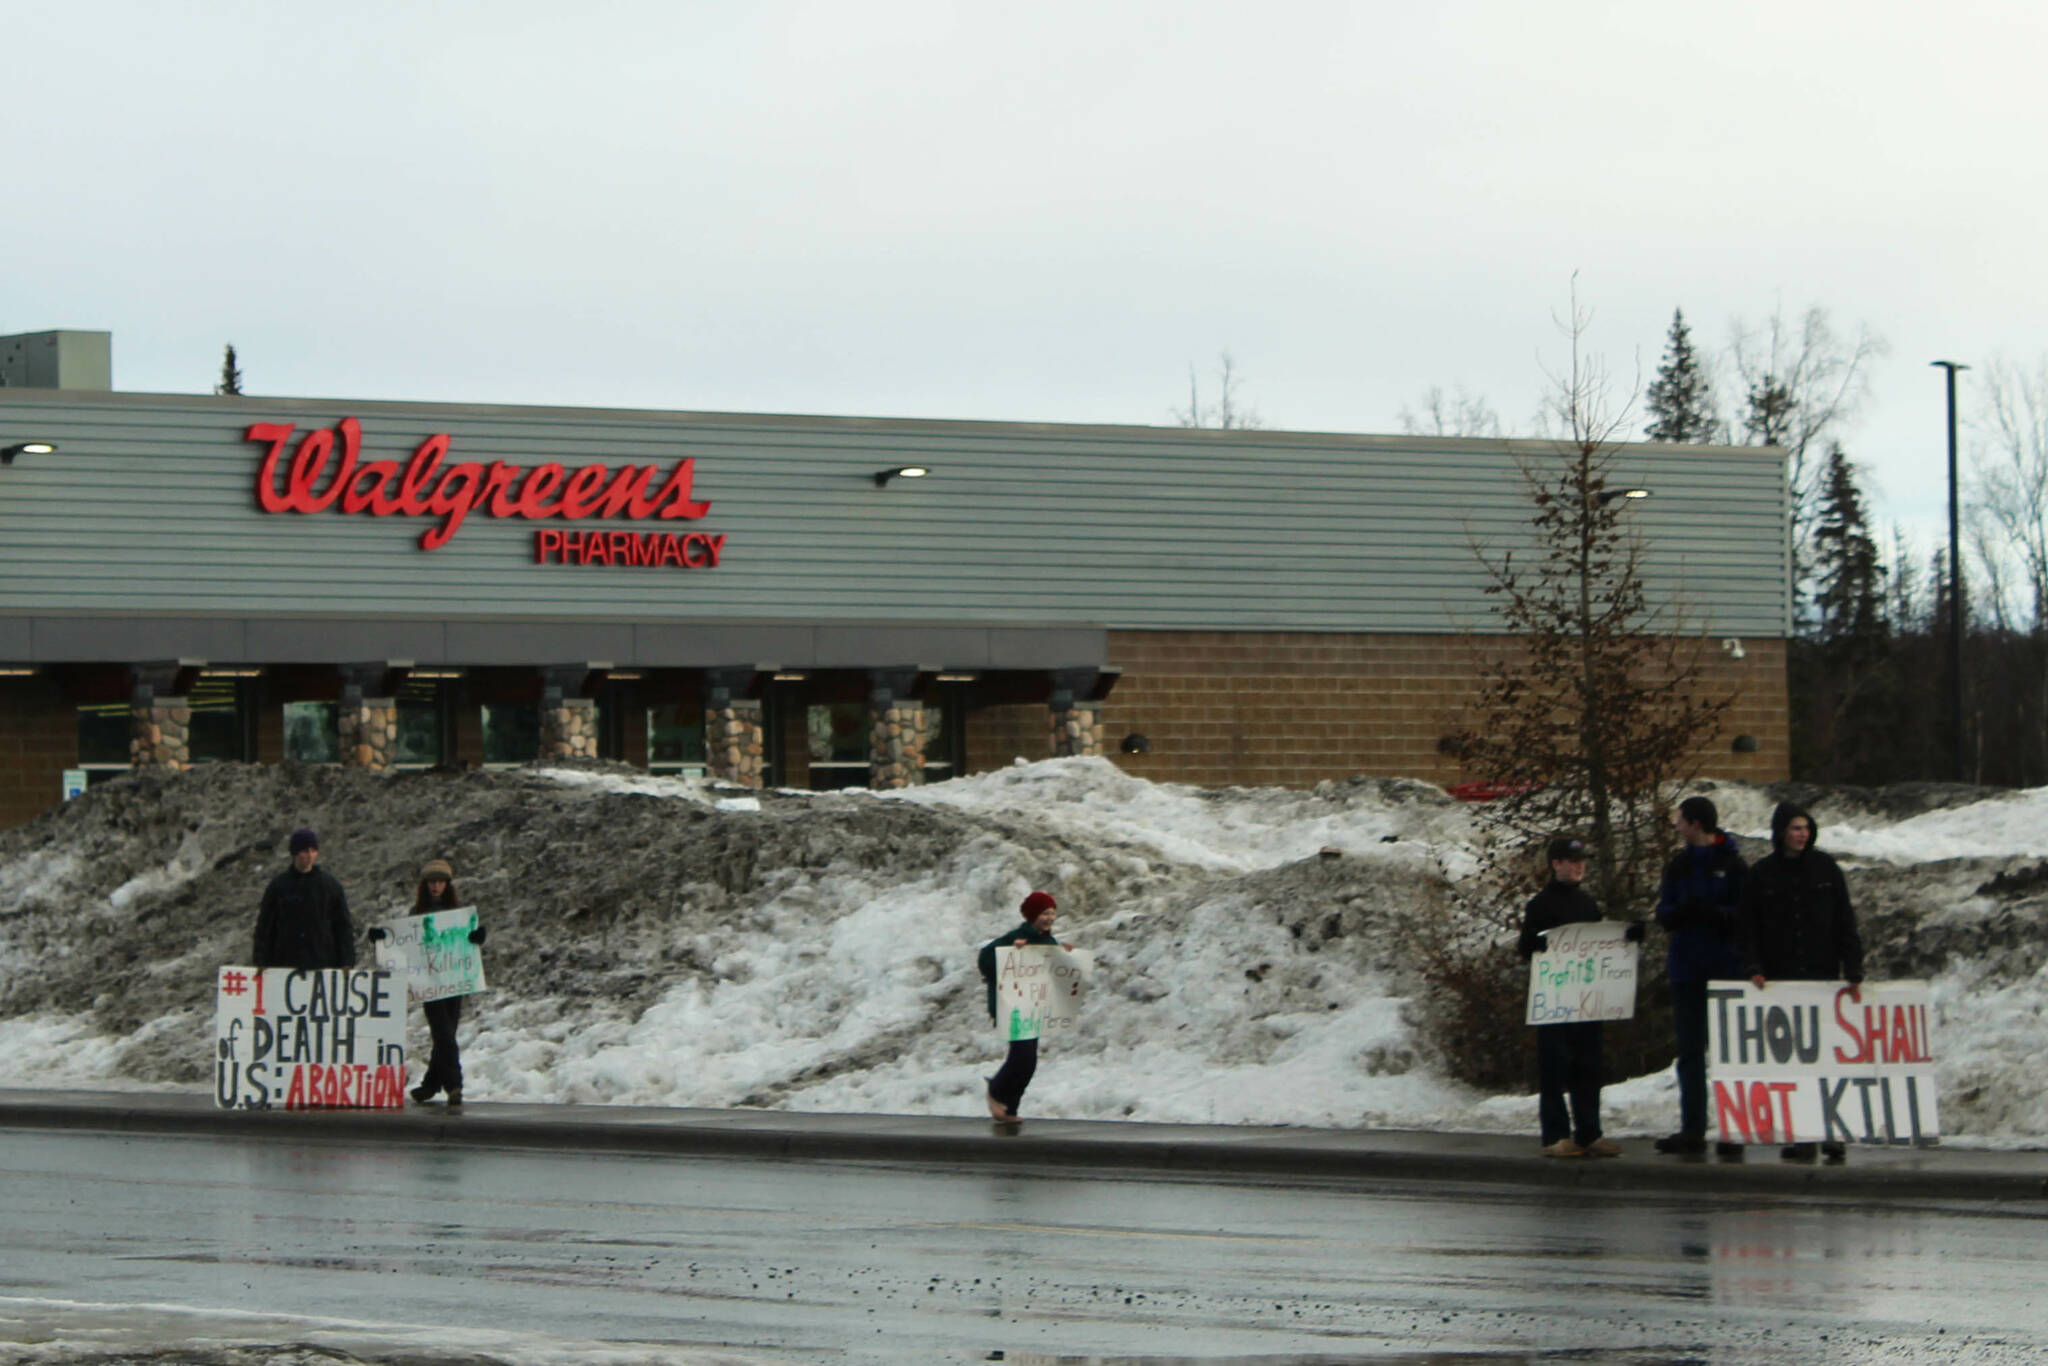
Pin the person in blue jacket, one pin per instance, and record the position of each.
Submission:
(1699, 904)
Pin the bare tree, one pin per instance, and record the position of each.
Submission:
(1455, 414)
(2009, 508)
(1802, 383)
(1229, 411)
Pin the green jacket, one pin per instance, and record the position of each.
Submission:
(986, 959)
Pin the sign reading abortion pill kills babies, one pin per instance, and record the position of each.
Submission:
(309, 1039)
(1039, 989)
(1586, 972)
(432, 953)
(1800, 1062)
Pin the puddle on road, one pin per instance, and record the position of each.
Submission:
(1573, 1356)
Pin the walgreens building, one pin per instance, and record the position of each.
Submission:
(809, 602)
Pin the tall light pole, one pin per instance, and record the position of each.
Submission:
(1955, 584)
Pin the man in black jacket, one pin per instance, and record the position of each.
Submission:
(1568, 1056)
(1797, 924)
(304, 922)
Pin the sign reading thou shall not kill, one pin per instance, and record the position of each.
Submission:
(433, 953)
(1800, 1062)
(308, 1039)
(1586, 972)
(1039, 989)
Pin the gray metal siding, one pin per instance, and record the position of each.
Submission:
(148, 508)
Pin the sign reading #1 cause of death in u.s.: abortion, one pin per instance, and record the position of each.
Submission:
(1807, 1062)
(1039, 989)
(433, 955)
(1586, 972)
(309, 1039)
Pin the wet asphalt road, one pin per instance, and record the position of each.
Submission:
(211, 1250)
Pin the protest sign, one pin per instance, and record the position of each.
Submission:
(433, 954)
(308, 1039)
(1039, 989)
(1800, 1062)
(1586, 971)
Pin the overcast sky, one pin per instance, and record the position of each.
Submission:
(1040, 212)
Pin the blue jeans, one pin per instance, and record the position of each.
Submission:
(1568, 1064)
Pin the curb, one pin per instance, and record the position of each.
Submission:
(1069, 1147)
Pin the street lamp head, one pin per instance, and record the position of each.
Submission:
(7, 453)
(1949, 365)
(1609, 495)
(882, 477)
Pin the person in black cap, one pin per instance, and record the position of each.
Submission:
(1796, 924)
(304, 921)
(1568, 1056)
(1701, 893)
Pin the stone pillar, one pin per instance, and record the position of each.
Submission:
(568, 728)
(734, 740)
(1076, 729)
(895, 743)
(1076, 712)
(159, 730)
(368, 729)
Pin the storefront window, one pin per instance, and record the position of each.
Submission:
(675, 739)
(310, 733)
(938, 754)
(103, 740)
(511, 734)
(421, 724)
(219, 732)
(837, 736)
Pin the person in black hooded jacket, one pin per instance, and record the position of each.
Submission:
(1796, 923)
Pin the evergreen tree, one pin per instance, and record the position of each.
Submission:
(1844, 681)
(230, 374)
(1847, 572)
(1681, 399)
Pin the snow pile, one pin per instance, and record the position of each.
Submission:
(656, 943)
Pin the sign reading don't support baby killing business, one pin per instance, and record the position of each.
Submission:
(309, 1039)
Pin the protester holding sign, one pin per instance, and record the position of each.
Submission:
(436, 892)
(304, 920)
(1568, 1055)
(1698, 904)
(1797, 924)
(1006, 1087)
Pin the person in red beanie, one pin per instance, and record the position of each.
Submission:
(1006, 1087)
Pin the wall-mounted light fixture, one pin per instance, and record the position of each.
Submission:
(17, 670)
(1609, 495)
(7, 453)
(955, 678)
(882, 477)
(790, 677)
(1135, 743)
(1745, 744)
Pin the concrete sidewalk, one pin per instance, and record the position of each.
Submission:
(1068, 1147)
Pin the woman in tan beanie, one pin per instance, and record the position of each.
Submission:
(444, 1065)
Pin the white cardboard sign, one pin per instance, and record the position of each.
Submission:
(308, 1039)
(1800, 1062)
(1040, 989)
(433, 954)
(1586, 972)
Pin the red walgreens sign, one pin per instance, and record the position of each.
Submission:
(326, 473)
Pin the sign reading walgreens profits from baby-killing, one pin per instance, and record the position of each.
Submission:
(301, 1039)
(1586, 972)
(1803, 1062)
(325, 472)
(433, 954)
(1039, 989)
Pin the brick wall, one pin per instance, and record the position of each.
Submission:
(38, 741)
(996, 736)
(1291, 709)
